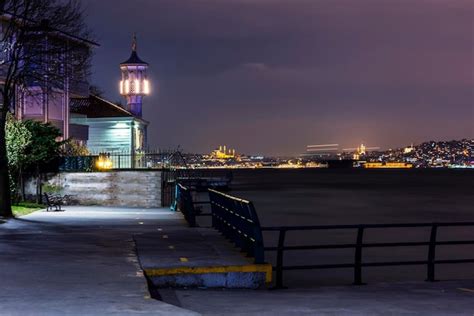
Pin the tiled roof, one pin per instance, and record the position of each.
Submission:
(95, 107)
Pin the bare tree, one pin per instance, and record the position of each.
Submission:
(44, 46)
(96, 90)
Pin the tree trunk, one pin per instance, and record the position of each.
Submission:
(39, 182)
(5, 198)
(21, 182)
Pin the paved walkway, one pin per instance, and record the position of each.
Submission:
(180, 256)
(420, 298)
(79, 262)
(83, 262)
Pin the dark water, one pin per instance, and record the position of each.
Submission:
(322, 196)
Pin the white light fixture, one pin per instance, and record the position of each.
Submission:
(137, 86)
(146, 86)
(127, 86)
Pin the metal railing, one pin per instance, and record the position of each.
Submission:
(186, 205)
(149, 159)
(118, 160)
(78, 163)
(168, 188)
(359, 245)
(237, 220)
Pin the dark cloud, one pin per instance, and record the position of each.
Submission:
(270, 76)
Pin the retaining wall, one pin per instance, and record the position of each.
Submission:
(112, 188)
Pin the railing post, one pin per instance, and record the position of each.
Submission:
(175, 202)
(279, 267)
(258, 247)
(432, 254)
(190, 212)
(358, 257)
(213, 210)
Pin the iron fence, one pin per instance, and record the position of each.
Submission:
(359, 245)
(185, 203)
(168, 188)
(235, 218)
(78, 163)
(119, 160)
(238, 221)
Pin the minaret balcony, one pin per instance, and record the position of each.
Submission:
(134, 87)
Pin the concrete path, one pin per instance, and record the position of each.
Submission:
(433, 299)
(83, 262)
(180, 256)
(79, 262)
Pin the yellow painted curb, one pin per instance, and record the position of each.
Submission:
(265, 268)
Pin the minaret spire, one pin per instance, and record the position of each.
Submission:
(134, 42)
(134, 84)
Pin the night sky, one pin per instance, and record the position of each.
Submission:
(272, 76)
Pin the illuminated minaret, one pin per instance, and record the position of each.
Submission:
(134, 84)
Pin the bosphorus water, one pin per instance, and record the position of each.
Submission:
(357, 196)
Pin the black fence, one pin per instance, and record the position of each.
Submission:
(187, 206)
(117, 160)
(79, 163)
(359, 245)
(235, 218)
(168, 187)
(238, 221)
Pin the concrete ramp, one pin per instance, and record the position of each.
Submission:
(197, 257)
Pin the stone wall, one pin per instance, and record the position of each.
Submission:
(112, 188)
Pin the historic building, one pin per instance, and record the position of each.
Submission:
(113, 128)
(49, 101)
(67, 104)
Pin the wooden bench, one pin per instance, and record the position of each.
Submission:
(54, 200)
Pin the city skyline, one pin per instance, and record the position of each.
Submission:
(273, 76)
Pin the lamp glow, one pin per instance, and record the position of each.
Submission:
(137, 86)
(146, 87)
(127, 86)
(121, 86)
(104, 162)
(135, 83)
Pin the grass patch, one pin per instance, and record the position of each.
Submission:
(25, 208)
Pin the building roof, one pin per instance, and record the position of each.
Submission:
(97, 107)
(134, 60)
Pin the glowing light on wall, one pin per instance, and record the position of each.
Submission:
(121, 125)
(146, 87)
(104, 162)
(121, 86)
